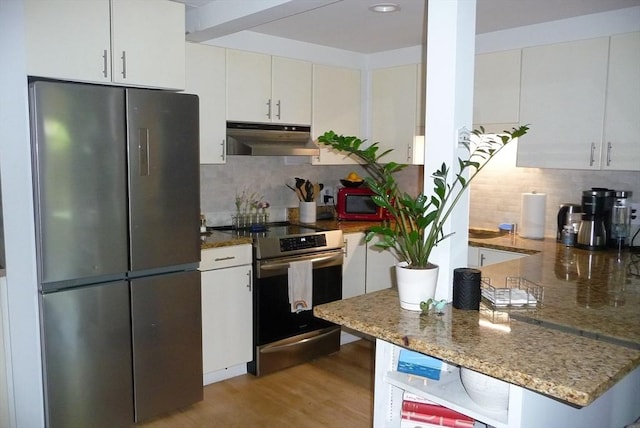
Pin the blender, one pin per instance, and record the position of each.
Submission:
(620, 220)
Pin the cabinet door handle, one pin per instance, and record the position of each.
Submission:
(269, 109)
(223, 149)
(249, 279)
(279, 110)
(482, 257)
(104, 63)
(608, 153)
(592, 156)
(345, 251)
(221, 259)
(124, 64)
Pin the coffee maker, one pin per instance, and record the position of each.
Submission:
(595, 225)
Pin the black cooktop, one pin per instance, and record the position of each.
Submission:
(283, 238)
(269, 230)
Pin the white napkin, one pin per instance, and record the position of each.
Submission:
(301, 285)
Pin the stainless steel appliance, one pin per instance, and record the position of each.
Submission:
(284, 337)
(595, 226)
(270, 139)
(116, 179)
(620, 219)
(568, 215)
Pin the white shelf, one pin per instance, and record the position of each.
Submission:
(448, 392)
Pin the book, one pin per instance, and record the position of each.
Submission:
(433, 410)
(406, 423)
(438, 420)
(406, 395)
(415, 363)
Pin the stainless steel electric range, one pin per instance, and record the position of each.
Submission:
(284, 335)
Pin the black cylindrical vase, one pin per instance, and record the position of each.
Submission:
(466, 289)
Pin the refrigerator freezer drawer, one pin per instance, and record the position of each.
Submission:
(87, 354)
(167, 342)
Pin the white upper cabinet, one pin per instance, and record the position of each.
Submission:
(582, 102)
(563, 95)
(396, 98)
(205, 77)
(621, 143)
(148, 43)
(336, 107)
(496, 90)
(262, 88)
(127, 42)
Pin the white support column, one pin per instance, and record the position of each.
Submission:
(449, 107)
(25, 390)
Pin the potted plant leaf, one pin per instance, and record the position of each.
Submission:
(416, 222)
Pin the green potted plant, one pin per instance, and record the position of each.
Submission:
(416, 224)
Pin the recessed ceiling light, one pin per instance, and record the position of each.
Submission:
(384, 7)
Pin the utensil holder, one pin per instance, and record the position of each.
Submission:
(307, 212)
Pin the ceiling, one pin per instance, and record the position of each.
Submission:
(349, 25)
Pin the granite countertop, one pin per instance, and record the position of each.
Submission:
(216, 239)
(583, 339)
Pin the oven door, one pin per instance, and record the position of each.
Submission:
(274, 318)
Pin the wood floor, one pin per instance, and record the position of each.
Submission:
(332, 391)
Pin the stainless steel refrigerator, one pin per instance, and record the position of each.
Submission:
(117, 201)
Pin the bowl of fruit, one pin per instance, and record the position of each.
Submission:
(352, 180)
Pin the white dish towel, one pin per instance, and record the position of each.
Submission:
(301, 285)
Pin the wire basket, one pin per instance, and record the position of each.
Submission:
(517, 293)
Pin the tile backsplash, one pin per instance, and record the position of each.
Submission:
(495, 194)
(497, 191)
(267, 176)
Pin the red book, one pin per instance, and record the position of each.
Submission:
(438, 420)
(433, 410)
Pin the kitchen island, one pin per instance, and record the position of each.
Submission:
(573, 361)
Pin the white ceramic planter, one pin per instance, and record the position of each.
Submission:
(415, 285)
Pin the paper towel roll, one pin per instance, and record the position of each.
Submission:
(532, 215)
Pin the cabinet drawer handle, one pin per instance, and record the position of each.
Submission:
(104, 63)
(221, 259)
(592, 156)
(608, 153)
(124, 64)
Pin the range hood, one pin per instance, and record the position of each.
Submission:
(268, 139)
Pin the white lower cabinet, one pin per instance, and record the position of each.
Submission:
(479, 257)
(354, 266)
(526, 409)
(227, 314)
(365, 269)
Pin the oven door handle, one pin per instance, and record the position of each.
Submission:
(319, 335)
(285, 263)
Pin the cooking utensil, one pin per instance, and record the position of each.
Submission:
(296, 191)
(308, 187)
(300, 186)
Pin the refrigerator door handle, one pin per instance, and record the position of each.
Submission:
(143, 148)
